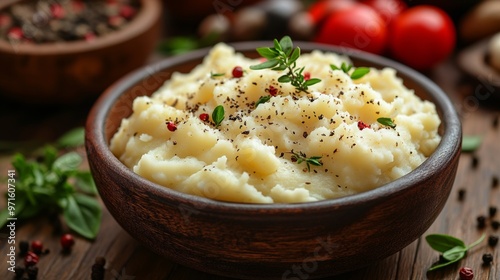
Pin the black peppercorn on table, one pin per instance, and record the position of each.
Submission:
(469, 212)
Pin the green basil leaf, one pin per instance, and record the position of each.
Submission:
(359, 72)
(83, 215)
(72, 138)
(471, 143)
(85, 182)
(443, 242)
(454, 253)
(67, 162)
(265, 65)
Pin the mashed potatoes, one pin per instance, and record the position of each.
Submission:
(250, 157)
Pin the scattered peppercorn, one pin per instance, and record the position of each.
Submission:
(481, 221)
(495, 225)
(24, 246)
(32, 272)
(493, 240)
(37, 247)
(461, 194)
(98, 268)
(19, 271)
(492, 211)
(67, 242)
(475, 161)
(68, 20)
(466, 273)
(171, 126)
(30, 259)
(487, 258)
(494, 182)
(495, 122)
(237, 72)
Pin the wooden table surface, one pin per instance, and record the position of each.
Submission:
(126, 259)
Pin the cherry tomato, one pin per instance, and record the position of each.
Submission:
(422, 36)
(358, 26)
(388, 9)
(320, 10)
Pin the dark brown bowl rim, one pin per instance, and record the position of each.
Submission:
(147, 16)
(444, 153)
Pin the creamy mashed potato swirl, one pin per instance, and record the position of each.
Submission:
(248, 157)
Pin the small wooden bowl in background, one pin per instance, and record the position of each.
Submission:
(270, 241)
(70, 72)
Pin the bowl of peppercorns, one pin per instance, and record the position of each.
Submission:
(265, 240)
(68, 51)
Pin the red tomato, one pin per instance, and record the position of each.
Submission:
(358, 26)
(320, 10)
(388, 9)
(422, 36)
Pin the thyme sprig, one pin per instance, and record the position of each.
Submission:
(283, 57)
(301, 157)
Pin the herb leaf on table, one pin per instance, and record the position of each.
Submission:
(54, 184)
(452, 248)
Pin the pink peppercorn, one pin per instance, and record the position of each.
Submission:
(466, 273)
(204, 117)
(362, 125)
(171, 126)
(237, 72)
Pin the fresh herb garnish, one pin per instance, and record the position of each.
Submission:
(213, 75)
(471, 143)
(301, 157)
(262, 99)
(452, 248)
(218, 115)
(387, 122)
(54, 184)
(283, 57)
(356, 74)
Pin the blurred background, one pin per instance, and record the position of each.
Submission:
(58, 56)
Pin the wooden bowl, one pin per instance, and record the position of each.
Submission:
(271, 241)
(70, 72)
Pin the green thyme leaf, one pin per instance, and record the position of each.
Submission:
(470, 143)
(262, 99)
(356, 74)
(83, 215)
(359, 72)
(265, 65)
(268, 53)
(387, 122)
(218, 115)
(214, 75)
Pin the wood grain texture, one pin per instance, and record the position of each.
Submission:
(126, 259)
